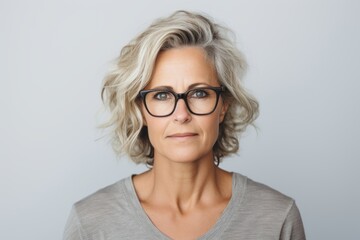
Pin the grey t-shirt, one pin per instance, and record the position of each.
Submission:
(255, 211)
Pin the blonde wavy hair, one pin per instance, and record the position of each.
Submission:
(133, 70)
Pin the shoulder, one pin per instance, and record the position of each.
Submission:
(275, 211)
(259, 191)
(103, 197)
(261, 212)
(262, 198)
(105, 205)
(110, 210)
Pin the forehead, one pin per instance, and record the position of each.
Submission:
(181, 67)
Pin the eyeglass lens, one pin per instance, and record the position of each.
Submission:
(199, 101)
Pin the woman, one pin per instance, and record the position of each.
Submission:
(178, 106)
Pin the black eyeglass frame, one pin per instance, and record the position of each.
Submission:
(218, 90)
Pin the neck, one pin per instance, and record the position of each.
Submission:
(185, 185)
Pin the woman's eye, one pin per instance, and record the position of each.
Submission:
(199, 94)
(162, 95)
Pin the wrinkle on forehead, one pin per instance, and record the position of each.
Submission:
(179, 68)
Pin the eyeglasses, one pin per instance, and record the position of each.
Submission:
(199, 101)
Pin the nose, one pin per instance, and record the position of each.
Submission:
(181, 113)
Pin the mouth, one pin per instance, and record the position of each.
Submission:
(182, 135)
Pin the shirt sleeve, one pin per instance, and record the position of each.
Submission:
(73, 229)
(293, 228)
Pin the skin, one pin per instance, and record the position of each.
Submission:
(184, 193)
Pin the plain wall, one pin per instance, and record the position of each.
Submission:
(303, 68)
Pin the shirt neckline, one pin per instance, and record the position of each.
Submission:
(238, 192)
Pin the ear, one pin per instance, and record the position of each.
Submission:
(224, 109)
(143, 118)
(144, 122)
(142, 111)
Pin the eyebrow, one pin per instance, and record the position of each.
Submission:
(189, 87)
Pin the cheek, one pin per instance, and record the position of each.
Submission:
(211, 128)
(155, 128)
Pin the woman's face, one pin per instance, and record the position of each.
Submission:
(182, 136)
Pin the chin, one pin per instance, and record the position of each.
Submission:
(183, 156)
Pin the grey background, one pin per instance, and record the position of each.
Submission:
(304, 70)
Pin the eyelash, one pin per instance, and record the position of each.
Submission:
(156, 96)
(202, 91)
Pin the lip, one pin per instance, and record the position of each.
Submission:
(182, 135)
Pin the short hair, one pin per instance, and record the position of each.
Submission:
(134, 67)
